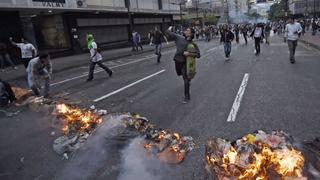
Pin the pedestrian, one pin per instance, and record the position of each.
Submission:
(257, 34)
(156, 39)
(245, 33)
(267, 33)
(95, 57)
(39, 68)
(28, 51)
(184, 58)
(139, 41)
(4, 56)
(7, 96)
(236, 31)
(226, 38)
(291, 36)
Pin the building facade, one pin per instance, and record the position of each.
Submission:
(60, 26)
(305, 7)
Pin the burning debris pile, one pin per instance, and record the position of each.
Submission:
(77, 125)
(170, 147)
(255, 156)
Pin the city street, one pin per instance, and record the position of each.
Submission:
(277, 95)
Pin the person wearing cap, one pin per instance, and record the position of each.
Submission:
(292, 31)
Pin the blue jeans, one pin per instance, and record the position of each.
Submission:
(158, 51)
(227, 49)
(33, 82)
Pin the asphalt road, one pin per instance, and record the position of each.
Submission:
(278, 96)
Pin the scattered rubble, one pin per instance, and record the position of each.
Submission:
(170, 147)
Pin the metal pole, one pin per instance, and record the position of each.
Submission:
(314, 9)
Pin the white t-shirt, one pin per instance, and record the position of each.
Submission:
(97, 57)
(291, 29)
(258, 32)
(26, 49)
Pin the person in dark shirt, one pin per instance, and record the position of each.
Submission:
(180, 57)
(226, 38)
(4, 56)
(156, 39)
(6, 94)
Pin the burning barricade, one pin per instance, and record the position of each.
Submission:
(255, 156)
(170, 147)
(76, 125)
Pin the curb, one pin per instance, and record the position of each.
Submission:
(310, 44)
(104, 60)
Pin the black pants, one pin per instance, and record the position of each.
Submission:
(100, 64)
(26, 62)
(181, 69)
(257, 44)
(245, 38)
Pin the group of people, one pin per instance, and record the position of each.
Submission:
(39, 66)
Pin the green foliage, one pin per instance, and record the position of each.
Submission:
(277, 10)
(211, 19)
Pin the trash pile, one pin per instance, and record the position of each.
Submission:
(76, 125)
(311, 149)
(255, 156)
(169, 147)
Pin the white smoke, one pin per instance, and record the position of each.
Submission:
(93, 156)
(137, 165)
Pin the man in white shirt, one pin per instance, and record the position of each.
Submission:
(291, 35)
(39, 68)
(95, 57)
(28, 51)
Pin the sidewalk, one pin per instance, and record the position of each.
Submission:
(69, 62)
(313, 41)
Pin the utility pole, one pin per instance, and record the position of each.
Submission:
(314, 9)
(197, 8)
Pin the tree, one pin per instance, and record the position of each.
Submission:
(277, 10)
(212, 19)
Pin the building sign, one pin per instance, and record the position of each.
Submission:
(52, 3)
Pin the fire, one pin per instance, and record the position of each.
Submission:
(169, 147)
(246, 160)
(77, 120)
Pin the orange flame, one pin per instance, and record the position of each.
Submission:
(77, 119)
(285, 162)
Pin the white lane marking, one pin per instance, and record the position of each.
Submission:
(236, 104)
(212, 49)
(120, 65)
(127, 86)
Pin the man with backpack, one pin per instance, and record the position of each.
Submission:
(95, 57)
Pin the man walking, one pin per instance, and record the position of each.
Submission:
(291, 35)
(156, 39)
(183, 52)
(226, 37)
(39, 68)
(95, 57)
(244, 31)
(237, 31)
(267, 33)
(4, 56)
(257, 34)
(28, 51)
